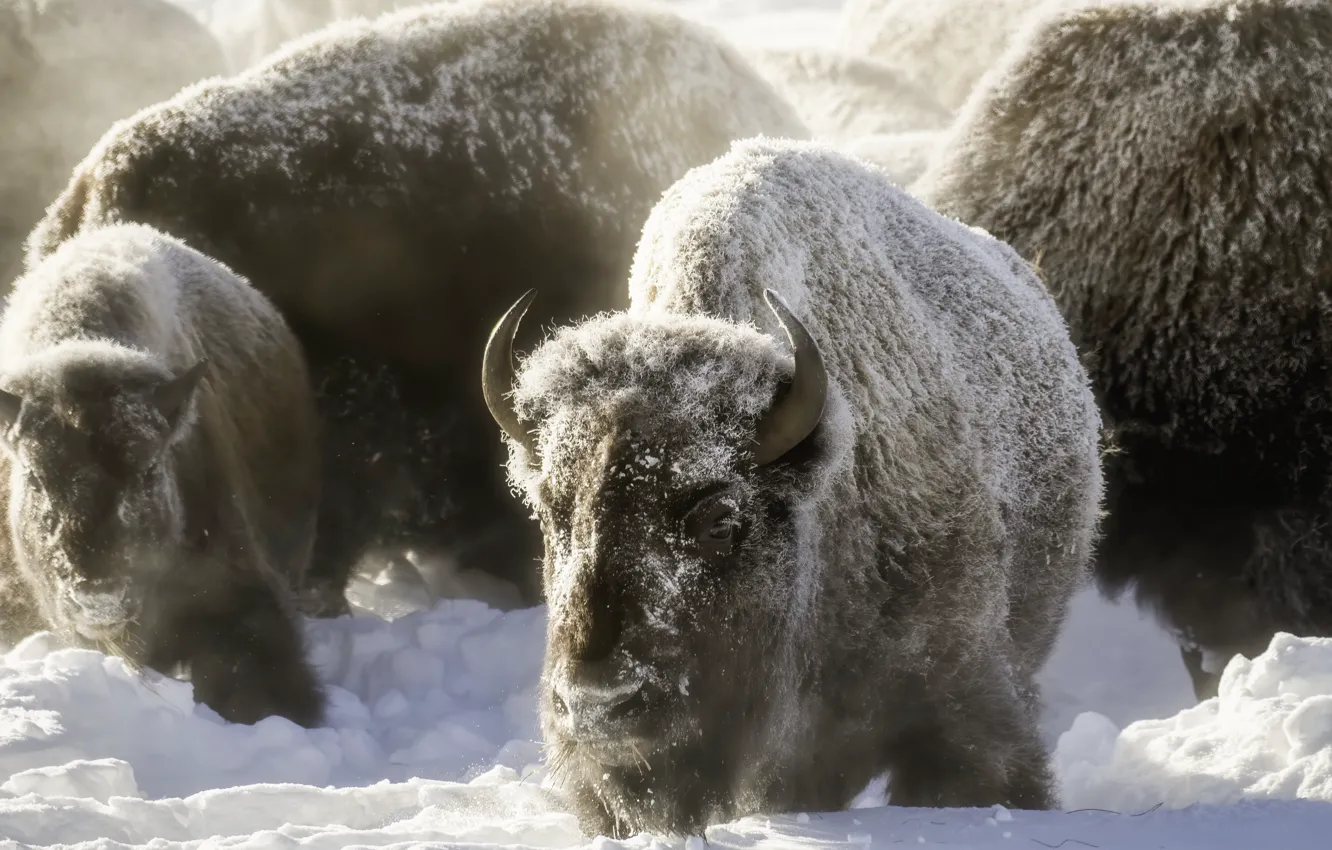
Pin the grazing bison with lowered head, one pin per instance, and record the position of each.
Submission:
(1168, 164)
(159, 469)
(772, 578)
(393, 185)
(68, 70)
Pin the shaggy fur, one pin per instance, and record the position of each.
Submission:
(1185, 239)
(842, 97)
(68, 69)
(882, 594)
(157, 508)
(943, 46)
(392, 185)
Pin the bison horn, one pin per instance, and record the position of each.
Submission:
(497, 374)
(798, 413)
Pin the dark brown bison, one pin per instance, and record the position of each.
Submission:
(1169, 167)
(159, 472)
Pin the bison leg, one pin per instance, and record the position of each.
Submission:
(976, 746)
(248, 662)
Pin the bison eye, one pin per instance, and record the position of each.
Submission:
(713, 525)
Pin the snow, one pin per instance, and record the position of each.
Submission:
(433, 732)
(433, 740)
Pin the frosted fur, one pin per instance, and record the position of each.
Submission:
(1186, 241)
(393, 185)
(844, 97)
(924, 541)
(169, 537)
(68, 69)
(944, 46)
(480, 103)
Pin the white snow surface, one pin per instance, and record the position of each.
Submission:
(432, 735)
(432, 731)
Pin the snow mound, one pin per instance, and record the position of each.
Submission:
(437, 695)
(1268, 734)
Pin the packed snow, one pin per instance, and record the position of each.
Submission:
(433, 738)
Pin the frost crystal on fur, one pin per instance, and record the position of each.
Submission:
(158, 469)
(1166, 164)
(68, 69)
(914, 554)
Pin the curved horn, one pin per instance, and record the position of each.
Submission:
(497, 374)
(796, 416)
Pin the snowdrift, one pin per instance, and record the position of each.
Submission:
(433, 738)
(1267, 735)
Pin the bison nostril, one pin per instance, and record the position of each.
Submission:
(635, 704)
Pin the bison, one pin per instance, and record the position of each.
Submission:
(1169, 167)
(393, 185)
(772, 578)
(68, 70)
(159, 469)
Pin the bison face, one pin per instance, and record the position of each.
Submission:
(669, 569)
(94, 511)
(673, 462)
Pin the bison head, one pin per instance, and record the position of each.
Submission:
(93, 507)
(671, 461)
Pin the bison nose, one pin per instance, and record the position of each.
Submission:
(99, 601)
(597, 693)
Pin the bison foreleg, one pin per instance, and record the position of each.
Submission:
(978, 748)
(249, 662)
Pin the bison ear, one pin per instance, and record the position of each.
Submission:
(172, 398)
(10, 407)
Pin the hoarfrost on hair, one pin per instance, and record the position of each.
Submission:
(467, 78)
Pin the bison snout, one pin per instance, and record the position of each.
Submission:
(598, 698)
(100, 603)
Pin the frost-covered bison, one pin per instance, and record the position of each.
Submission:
(1168, 166)
(68, 70)
(774, 577)
(944, 46)
(393, 185)
(843, 97)
(159, 472)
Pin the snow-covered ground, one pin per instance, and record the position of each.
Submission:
(433, 740)
(433, 737)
